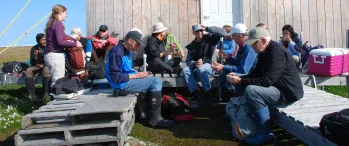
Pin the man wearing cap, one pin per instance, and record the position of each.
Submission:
(86, 43)
(122, 77)
(275, 81)
(156, 52)
(101, 41)
(199, 59)
(37, 67)
(242, 63)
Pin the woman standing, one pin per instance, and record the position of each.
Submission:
(56, 42)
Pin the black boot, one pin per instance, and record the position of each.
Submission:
(30, 85)
(142, 106)
(209, 97)
(155, 118)
(46, 87)
(198, 98)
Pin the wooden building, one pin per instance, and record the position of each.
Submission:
(318, 21)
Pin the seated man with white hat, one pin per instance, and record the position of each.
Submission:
(156, 52)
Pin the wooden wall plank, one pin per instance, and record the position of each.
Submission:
(280, 18)
(288, 12)
(109, 15)
(263, 11)
(193, 18)
(174, 21)
(90, 17)
(321, 22)
(165, 12)
(296, 16)
(313, 34)
(272, 19)
(118, 16)
(99, 13)
(183, 22)
(155, 11)
(254, 13)
(127, 16)
(345, 21)
(337, 27)
(329, 23)
(146, 19)
(305, 20)
(137, 14)
(247, 13)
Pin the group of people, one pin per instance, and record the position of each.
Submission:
(48, 56)
(254, 66)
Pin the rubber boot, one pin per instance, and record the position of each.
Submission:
(46, 87)
(262, 119)
(155, 118)
(30, 85)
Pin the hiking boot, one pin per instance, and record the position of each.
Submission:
(155, 118)
(198, 99)
(30, 85)
(209, 97)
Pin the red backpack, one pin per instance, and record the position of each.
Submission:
(178, 106)
(76, 63)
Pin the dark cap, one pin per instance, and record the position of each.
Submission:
(103, 27)
(39, 36)
(135, 35)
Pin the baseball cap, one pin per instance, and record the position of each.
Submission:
(75, 32)
(256, 34)
(238, 28)
(135, 35)
(196, 27)
(103, 27)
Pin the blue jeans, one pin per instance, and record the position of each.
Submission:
(143, 85)
(201, 73)
(258, 97)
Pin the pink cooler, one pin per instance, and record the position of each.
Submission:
(328, 61)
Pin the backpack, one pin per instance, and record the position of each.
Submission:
(305, 52)
(239, 113)
(335, 126)
(76, 57)
(95, 70)
(67, 85)
(178, 106)
(14, 67)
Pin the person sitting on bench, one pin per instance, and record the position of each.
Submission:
(275, 81)
(199, 59)
(292, 42)
(178, 51)
(123, 79)
(86, 43)
(38, 67)
(157, 54)
(242, 63)
(102, 43)
(229, 46)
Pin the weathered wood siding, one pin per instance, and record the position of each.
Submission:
(317, 21)
(122, 15)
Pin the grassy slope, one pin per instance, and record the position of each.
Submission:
(15, 53)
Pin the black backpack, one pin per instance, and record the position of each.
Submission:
(335, 127)
(95, 70)
(14, 67)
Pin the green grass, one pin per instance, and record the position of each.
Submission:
(338, 90)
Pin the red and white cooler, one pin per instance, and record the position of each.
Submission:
(328, 61)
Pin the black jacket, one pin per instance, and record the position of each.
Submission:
(276, 68)
(153, 48)
(204, 50)
(36, 59)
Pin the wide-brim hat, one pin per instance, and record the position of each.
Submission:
(159, 27)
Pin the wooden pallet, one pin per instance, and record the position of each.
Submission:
(113, 131)
(86, 119)
(302, 118)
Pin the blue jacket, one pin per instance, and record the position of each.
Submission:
(245, 59)
(118, 66)
(228, 46)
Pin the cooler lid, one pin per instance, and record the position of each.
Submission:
(328, 52)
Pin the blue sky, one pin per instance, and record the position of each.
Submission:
(36, 10)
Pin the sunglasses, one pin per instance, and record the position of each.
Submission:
(102, 30)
